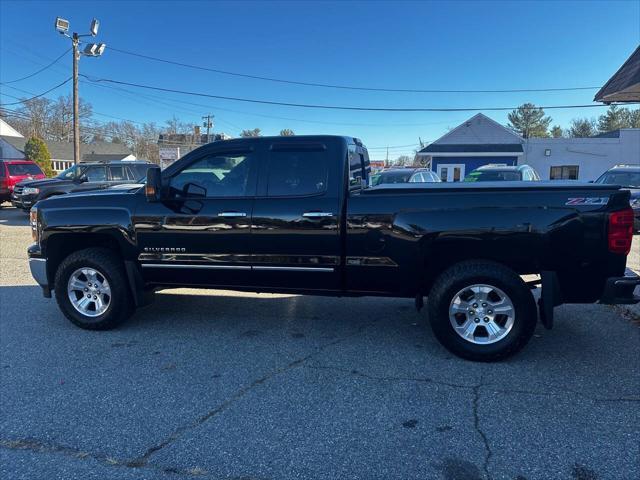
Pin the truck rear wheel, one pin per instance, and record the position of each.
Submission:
(91, 289)
(481, 311)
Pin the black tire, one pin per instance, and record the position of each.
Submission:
(110, 266)
(466, 274)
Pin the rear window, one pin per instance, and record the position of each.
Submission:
(17, 169)
(493, 176)
(394, 177)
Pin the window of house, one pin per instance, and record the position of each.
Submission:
(295, 173)
(564, 172)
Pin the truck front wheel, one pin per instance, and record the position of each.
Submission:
(91, 289)
(481, 311)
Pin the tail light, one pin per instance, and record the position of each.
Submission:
(620, 234)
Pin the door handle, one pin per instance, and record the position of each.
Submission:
(232, 214)
(317, 214)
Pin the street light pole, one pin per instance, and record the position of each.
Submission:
(76, 101)
(91, 50)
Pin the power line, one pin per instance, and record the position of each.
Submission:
(208, 106)
(36, 96)
(344, 87)
(41, 70)
(330, 107)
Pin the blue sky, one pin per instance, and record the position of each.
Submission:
(420, 45)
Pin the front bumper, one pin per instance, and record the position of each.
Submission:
(620, 290)
(24, 202)
(38, 267)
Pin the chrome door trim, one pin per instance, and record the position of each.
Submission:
(184, 265)
(295, 269)
(317, 214)
(232, 214)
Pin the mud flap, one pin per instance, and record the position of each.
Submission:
(136, 285)
(549, 298)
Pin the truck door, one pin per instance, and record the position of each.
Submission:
(199, 233)
(295, 233)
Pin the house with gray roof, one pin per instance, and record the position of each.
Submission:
(12, 147)
(480, 141)
(624, 86)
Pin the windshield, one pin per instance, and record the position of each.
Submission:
(69, 173)
(18, 169)
(396, 176)
(625, 179)
(493, 176)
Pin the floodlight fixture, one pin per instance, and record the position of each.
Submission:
(94, 49)
(95, 23)
(62, 25)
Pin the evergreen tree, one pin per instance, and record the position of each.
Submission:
(36, 150)
(529, 121)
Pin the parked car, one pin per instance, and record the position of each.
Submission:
(501, 173)
(405, 175)
(628, 177)
(293, 214)
(13, 172)
(80, 178)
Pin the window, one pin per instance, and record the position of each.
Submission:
(564, 172)
(117, 173)
(138, 172)
(444, 172)
(624, 179)
(216, 175)
(356, 165)
(96, 174)
(293, 173)
(457, 173)
(19, 169)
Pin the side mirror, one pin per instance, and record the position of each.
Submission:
(153, 185)
(81, 179)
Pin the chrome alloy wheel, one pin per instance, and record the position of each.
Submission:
(89, 292)
(482, 314)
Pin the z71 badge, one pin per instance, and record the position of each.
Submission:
(588, 201)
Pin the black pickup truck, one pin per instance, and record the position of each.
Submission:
(295, 214)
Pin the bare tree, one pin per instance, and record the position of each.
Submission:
(582, 127)
(403, 161)
(287, 132)
(251, 133)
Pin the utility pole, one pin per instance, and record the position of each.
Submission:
(208, 124)
(91, 50)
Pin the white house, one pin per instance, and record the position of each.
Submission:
(582, 158)
(481, 140)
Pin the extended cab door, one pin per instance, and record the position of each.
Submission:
(296, 222)
(199, 233)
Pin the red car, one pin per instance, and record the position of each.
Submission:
(15, 171)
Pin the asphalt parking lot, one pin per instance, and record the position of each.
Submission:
(222, 385)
